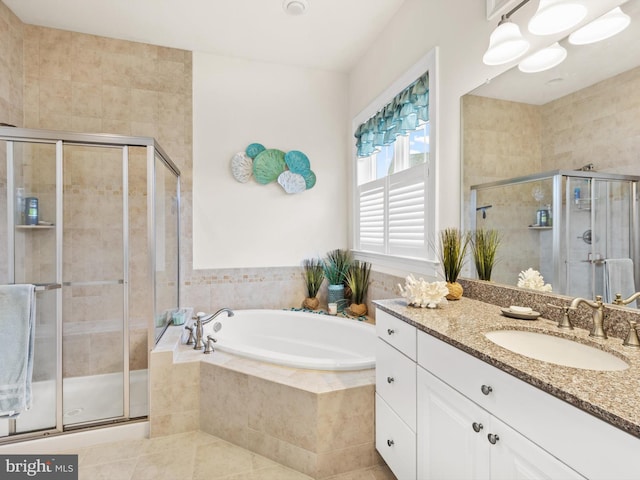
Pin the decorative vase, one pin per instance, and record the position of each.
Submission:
(455, 291)
(336, 295)
(311, 303)
(358, 309)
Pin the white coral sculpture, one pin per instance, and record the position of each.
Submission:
(533, 280)
(421, 293)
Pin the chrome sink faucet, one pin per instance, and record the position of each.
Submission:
(201, 320)
(597, 330)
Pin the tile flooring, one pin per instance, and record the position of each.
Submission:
(191, 456)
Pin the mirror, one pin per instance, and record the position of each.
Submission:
(583, 113)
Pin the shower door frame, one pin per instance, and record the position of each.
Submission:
(12, 135)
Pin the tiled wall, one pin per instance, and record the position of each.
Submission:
(598, 124)
(502, 140)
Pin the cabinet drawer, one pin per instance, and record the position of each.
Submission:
(395, 442)
(396, 381)
(397, 333)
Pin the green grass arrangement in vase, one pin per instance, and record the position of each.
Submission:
(335, 266)
(484, 246)
(313, 277)
(357, 280)
(452, 251)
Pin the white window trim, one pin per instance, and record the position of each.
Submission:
(395, 265)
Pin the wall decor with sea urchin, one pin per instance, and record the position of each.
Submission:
(291, 170)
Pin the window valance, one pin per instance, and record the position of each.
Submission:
(398, 117)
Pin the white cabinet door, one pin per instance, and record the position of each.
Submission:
(514, 457)
(451, 435)
(395, 441)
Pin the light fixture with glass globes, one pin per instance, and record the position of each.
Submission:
(608, 25)
(543, 59)
(555, 16)
(506, 42)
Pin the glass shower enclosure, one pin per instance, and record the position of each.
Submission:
(92, 220)
(574, 227)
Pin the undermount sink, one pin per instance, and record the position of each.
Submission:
(558, 350)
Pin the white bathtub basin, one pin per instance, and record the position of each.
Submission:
(558, 350)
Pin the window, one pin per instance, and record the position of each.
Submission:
(393, 178)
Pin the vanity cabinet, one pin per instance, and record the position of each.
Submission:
(396, 394)
(457, 439)
(443, 413)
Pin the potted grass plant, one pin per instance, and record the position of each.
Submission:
(484, 246)
(313, 277)
(335, 267)
(357, 279)
(452, 251)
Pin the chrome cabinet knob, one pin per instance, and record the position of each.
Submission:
(493, 439)
(390, 331)
(390, 379)
(486, 389)
(390, 443)
(477, 426)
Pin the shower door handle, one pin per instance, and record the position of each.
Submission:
(43, 287)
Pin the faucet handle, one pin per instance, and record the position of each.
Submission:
(618, 299)
(191, 340)
(565, 322)
(632, 337)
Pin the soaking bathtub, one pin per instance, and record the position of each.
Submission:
(296, 339)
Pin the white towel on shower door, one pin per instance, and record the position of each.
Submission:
(618, 278)
(17, 335)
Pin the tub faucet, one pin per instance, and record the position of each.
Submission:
(201, 320)
(597, 306)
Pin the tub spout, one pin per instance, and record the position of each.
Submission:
(201, 320)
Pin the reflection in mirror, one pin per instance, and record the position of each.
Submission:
(583, 112)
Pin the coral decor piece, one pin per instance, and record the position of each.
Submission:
(533, 280)
(291, 170)
(242, 167)
(423, 294)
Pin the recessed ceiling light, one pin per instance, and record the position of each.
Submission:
(295, 7)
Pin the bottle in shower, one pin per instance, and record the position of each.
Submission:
(20, 208)
(31, 211)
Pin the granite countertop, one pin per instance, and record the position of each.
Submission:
(613, 396)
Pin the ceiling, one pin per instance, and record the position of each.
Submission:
(331, 35)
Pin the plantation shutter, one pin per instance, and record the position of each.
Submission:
(406, 215)
(391, 214)
(371, 222)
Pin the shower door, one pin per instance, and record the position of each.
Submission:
(599, 228)
(95, 279)
(31, 172)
